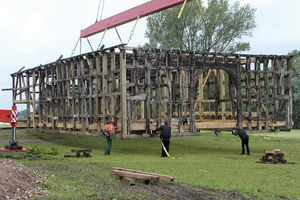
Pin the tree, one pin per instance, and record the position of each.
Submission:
(22, 115)
(296, 87)
(221, 30)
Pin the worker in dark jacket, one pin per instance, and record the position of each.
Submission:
(245, 139)
(165, 134)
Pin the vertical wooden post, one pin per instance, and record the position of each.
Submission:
(158, 88)
(200, 97)
(192, 95)
(113, 84)
(239, 95)
(73, 95)
(148, 91)
(289, 106)
(185, 91)
(223, 93)
(265, 104)
(169, 89)
(123, 111)
(273, 71)
(217, 93)
(248, 92)
(83, 96)
(90, 110)
(27, 88)
(258, 96)
(180, 81)
(97, 87)
(104, 87)
(33, 98)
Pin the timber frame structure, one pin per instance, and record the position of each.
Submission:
(142, 88)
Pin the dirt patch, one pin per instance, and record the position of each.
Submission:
(174, 191)
(102, 185)
(17, 181)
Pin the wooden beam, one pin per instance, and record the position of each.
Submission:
(140, 176)
(123, 100)
(161, 176)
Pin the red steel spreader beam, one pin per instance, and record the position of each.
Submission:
(143, 10)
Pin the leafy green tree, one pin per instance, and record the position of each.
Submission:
(22, 115)
(296, 88)
(221, 29)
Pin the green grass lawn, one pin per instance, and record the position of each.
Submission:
(207, 160)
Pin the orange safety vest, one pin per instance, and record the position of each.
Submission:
(109, 128)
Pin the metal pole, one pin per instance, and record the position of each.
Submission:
(14, 134)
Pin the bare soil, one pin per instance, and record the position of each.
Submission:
(17, 181)
(176, 191)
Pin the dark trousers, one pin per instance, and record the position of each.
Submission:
(108, 146)
(166, 142)
(245, 142)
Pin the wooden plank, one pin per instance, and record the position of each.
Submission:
(81, 150)
(141, 97)
(69, 125)
(75, 156)
(78, 126)
(139, 176)
(59, 125)
(93, 126)
(268, 151)
(24, 124)
(129, 181)
(48, 125)
(161, 177)
(123, 90)
(138, 126)
(215, 124)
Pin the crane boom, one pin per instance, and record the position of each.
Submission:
(143, 10)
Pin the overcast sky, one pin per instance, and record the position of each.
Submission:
(35, 32)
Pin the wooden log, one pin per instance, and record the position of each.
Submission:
(161, 177)
(76, 156)
(129, 181)
(139, 176)
(81, 150)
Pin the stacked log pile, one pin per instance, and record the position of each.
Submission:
(129, 176)
(274, 157)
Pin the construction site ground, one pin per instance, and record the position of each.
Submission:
(200, 168)
(21, 182)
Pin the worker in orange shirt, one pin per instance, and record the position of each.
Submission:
(109, 127)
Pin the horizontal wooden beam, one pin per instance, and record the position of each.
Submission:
(161, 176)
(139, 176)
